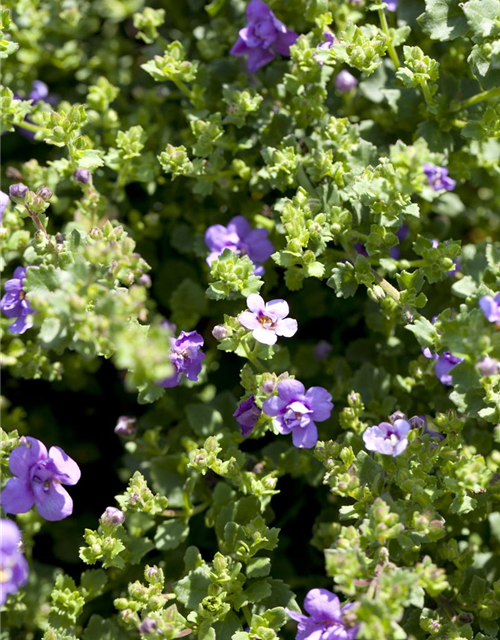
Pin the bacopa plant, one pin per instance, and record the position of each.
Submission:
(250, 320)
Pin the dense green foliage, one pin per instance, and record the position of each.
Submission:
(221, 533)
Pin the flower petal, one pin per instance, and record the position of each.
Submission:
(54, 504)
(322, 604)
(305, 438)
(265, 336)
(320, 402)
(67, 469)
(291, 389)
(273, 406)
(256, 303)
(258, 58)
(279, 309)
(22, 458)
(249, 320)
(402, 428)
(17, 496)
(286, 328)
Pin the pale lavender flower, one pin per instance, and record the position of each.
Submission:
(345, 81)
(241, 239)
(186, 357)
(438, 178)
(268, 320)
(488, 366)
(326, 620)
(126, 426)
(392, 5)
(4, 201)
(263, 37)
(491, 307)
(39, 476)
(295, 411)
(388, 439)
(324, 46)
(13, 565)
(219, 332)
(247, 415)
(14, 303)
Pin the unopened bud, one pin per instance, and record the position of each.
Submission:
(376, 293)
(145, 280)
(18, 191)
(95, 233)
(219, 332)
(126, 426)
(148, 626)
(397, 415)
(44, 192)
(83, 176)
(112, 517)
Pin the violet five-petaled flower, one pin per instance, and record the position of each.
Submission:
(4, 201)
(241, 239)
(345, 81)
(490, 306)
(14, 303)
(386, 438)
(326, 620)
(247, 415)
(263, 37)
(13, 565)
(186, 357)
(296, 410)
(268, 320)
(444, 364)
(438, 178)
(39, 476)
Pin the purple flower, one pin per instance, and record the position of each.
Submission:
(39, 91)
(263, 37)
(14, 303)
(322, 350)
(445, 363)
(326, 618)
(420, 422)
(488, 366)
(18, 191)
(4, 201)
(247, 415)
(345, 81)
(491, 307)
(13, 565)
(438, 177)
(39, 476)
(388, 439)
(241, 239)
(325, 46)
(294, 411)
(268, 320)
(186, 357)
(392, 5)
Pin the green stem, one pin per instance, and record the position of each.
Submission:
(185, 89)
(37, 222)
(479, 97)
(247, 614)
(427, 94)
(253, 359)
(29, 126)
(390, 47)
(305, 183)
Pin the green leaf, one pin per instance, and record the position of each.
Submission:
(483, 16)
(228, 627)
(256, 592)
(191, 590)
(258, 567)
(443, 19)
(171, 534)
(203, 419)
